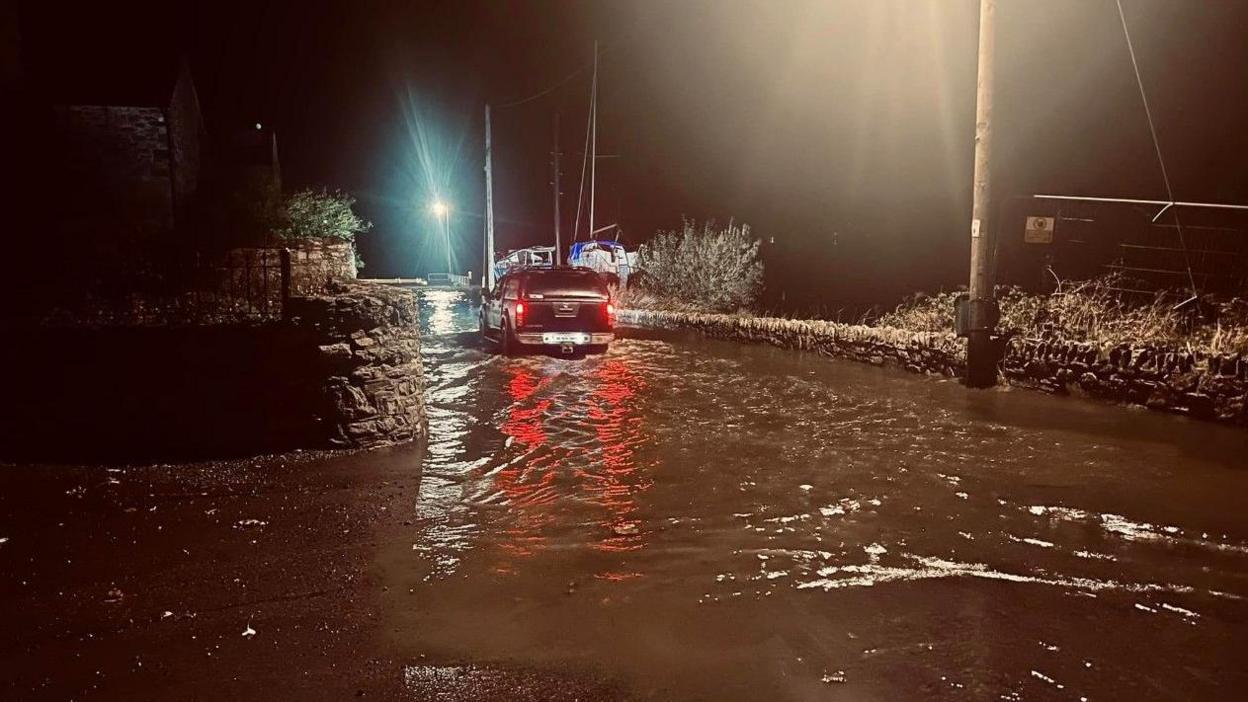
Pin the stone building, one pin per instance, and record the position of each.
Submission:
(101, 137)
(129, 153)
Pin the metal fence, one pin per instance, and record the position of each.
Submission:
(453, 280)
(244, 283)
(1153, 249)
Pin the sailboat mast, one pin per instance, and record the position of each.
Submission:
(555, 156)
(593, 157)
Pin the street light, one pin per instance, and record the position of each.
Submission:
(442, 211)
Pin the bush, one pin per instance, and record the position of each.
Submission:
(317, 214)
(708, 267)
(1094, 311)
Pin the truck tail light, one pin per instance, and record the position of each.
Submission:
(610, 309)
(521, 313)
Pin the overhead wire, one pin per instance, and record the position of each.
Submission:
(547, 91)
(593, 98)
(566, 79)
(1152, 130)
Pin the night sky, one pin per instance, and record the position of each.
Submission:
(842, 129)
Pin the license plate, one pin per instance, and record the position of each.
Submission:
(565, 338)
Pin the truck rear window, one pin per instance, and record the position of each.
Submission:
(565, 284)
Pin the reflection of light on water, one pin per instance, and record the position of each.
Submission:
(617, 427)
(547, 473)
(572, 430)
(441, 303)
(524, 424)
(781, 486)
(446, 522)
(932, 568)
(570, 442)
(528, 484)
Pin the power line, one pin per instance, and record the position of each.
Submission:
(567, 79)
(1152, 129)
(551, 89)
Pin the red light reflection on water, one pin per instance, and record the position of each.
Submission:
(619, 479)
(524, 424)
(606, 475)
(526, 486)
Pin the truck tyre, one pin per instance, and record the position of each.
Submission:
(485, 338)
(506, 340)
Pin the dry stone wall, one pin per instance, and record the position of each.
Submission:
(918, 352)
(1169, 379)
(369, 350)
(120, 159)
(314, 263)
(343, 371)
(255, 273)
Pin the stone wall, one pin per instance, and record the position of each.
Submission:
(1168, 379)
(117, 167)
(314, 263)
(343, 372)
(238, 285)
(918, 352)
(130, 168)
(369, 348)
(254, 274)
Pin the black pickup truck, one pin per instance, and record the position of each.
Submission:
(568, 309)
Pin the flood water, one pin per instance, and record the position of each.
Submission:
(696, 519)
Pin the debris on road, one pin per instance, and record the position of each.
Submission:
(837, 677)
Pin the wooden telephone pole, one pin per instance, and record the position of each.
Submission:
(487, 273)
(981, 311)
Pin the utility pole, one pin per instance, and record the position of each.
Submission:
(487, 273)
(446, 235)
(593, 157)
(980, 314)
(555, 157)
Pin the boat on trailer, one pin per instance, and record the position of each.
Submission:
(605, 256)
(531, 257)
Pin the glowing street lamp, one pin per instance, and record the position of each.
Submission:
(442, 211)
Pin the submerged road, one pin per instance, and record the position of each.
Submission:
(679, 518)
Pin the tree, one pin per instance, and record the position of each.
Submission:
(715, 268)
(313, 214)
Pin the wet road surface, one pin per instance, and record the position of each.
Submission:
(707, 520)
(679, 518)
